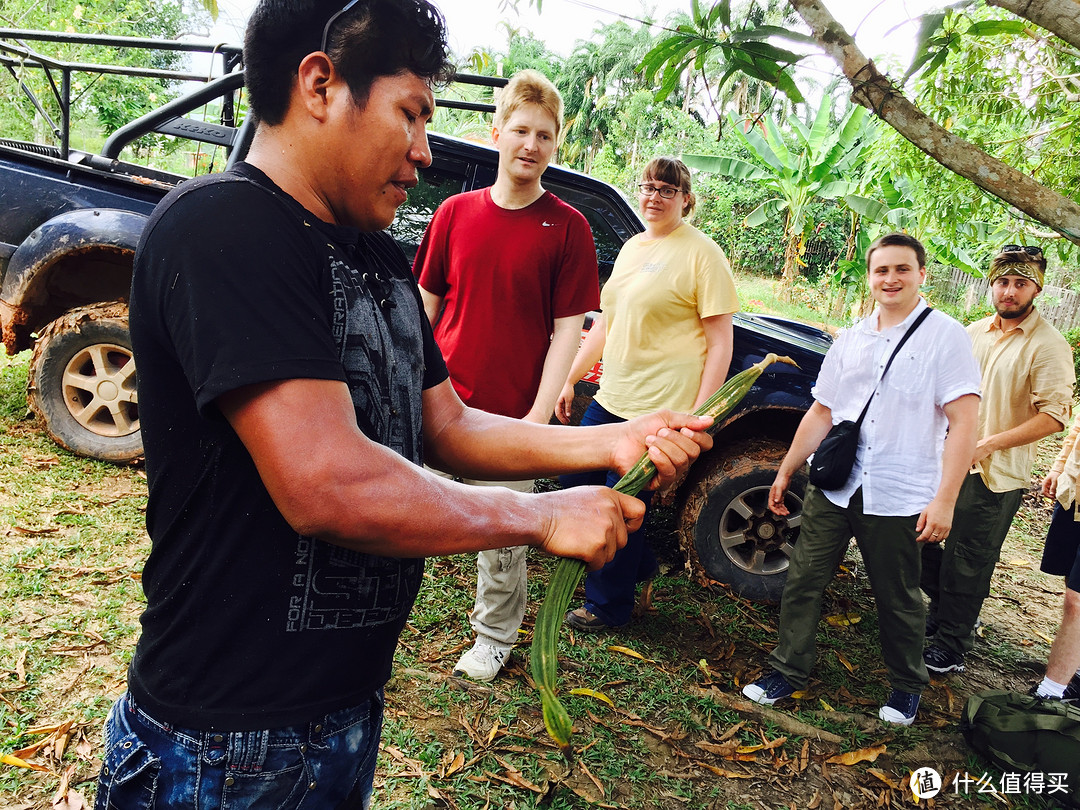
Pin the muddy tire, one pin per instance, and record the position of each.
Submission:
(726, 529)
(82, 383)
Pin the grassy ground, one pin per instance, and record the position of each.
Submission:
(675, 733)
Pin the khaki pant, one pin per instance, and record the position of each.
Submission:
(891, 557)
(501, 581)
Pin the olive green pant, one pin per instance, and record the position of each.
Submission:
(891, 556)
(957, 576)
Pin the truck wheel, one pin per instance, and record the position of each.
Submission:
(82, 383)
(726, 528)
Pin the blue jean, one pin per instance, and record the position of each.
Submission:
(609, 592)
(327, 763)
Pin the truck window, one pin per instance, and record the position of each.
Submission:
(610, 226)
(444, 178)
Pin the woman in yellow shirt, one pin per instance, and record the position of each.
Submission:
(665, 336)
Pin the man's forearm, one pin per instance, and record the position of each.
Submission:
(813, 428)
(1037, 427)
(560, 355)
(477, 444)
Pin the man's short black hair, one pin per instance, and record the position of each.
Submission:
(898, 240)
(372, 39)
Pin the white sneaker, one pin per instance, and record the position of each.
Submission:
(482, 662)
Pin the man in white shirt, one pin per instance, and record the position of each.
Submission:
(915, 445)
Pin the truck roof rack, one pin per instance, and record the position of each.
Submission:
(169, 119)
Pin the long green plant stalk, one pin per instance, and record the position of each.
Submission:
(568, 572)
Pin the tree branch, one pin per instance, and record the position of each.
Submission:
(1053, 15)
(873, 90)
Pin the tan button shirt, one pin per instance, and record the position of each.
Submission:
(1026, 371)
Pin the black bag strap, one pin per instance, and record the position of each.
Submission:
(915, 325)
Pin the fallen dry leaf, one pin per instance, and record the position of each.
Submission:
(452, 763)
(884, 777)
(628, 652)
(65, 798)
(589, 774)
(722, 771)
(14, 761)
(516, 779)
(847, 664)
(843, 619)
(854, 757)
(593, 694)
(731, 731)
(721, 750)
(32, 532)
(768, 745)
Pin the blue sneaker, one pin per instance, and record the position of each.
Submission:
(1072, 691)
(769, 690)
(901, 708)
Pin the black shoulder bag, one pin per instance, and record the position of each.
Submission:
(830, 467)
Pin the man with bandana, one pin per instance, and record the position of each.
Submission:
(1027, 389)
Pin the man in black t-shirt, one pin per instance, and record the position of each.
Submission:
(290, 391)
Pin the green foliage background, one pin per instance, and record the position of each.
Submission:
(100, 103)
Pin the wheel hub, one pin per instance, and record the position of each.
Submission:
(765, 533)
(754, 538)
(107, 390)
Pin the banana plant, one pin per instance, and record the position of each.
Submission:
(822, 166)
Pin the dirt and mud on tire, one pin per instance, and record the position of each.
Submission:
(82, 383)
(725, 527)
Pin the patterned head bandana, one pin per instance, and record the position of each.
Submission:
(1014, 260)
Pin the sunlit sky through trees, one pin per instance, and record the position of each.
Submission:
(887, 27)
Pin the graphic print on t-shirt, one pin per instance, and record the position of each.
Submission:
(376, 331)
(342, 589)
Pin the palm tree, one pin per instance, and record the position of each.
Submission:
(596, 80)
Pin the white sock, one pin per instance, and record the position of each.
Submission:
(1050, 689)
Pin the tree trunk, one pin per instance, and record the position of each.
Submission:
(874, 91)
(1061, 18)
(792, 243)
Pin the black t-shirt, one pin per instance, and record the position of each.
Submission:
(248, 624)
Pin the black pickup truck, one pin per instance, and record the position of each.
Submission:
(69, 225)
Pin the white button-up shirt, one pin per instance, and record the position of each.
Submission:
(898, 464)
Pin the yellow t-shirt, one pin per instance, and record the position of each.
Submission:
(659, 291)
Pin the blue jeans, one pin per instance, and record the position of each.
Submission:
(328, 763)
(609, 592)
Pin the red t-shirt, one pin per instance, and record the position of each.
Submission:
(504, 276)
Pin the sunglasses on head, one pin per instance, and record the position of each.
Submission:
(334, 19)
(1030, 250)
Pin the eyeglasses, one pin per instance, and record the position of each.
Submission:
(334, 19)
(1030, 250)
(667, 192)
